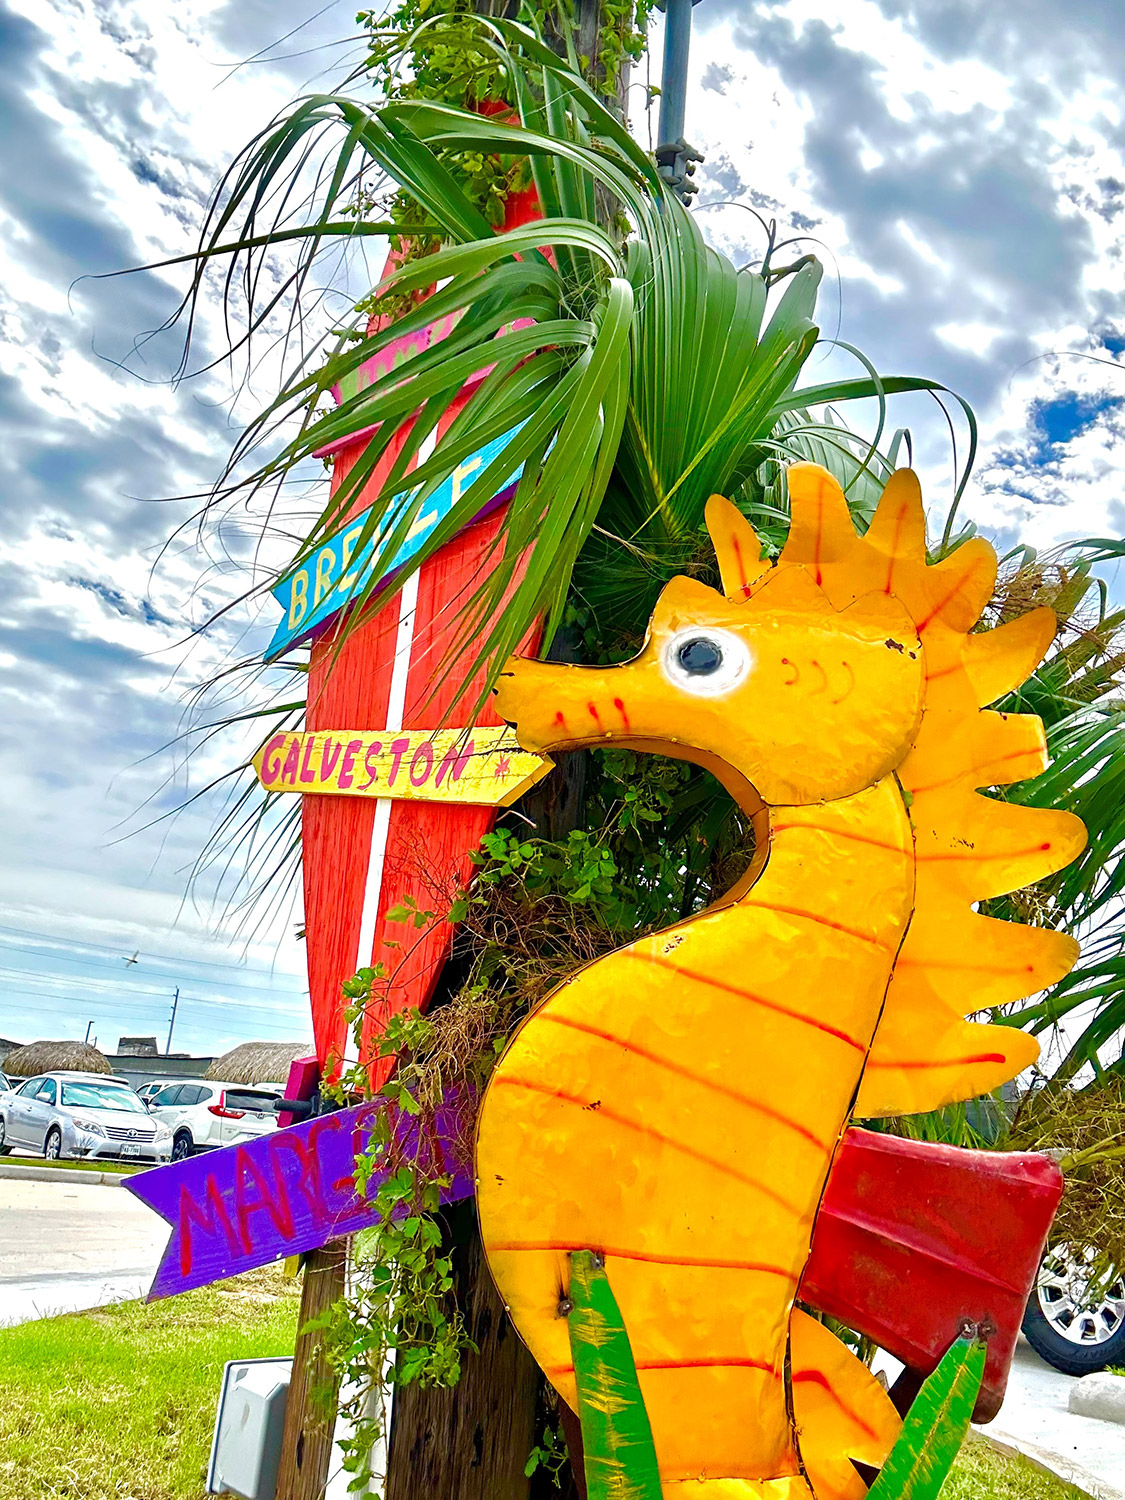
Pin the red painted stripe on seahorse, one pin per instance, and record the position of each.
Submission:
(815, 1377)
(689, 1262)
(953, 592)
(736, 1362)
(984, 765)
(682, 1072)
(952, 1062)
(957, 666)
(843, 833)
(964, 855)
(748, 995)
(905, 961)
(602, 1111)
(812, 916)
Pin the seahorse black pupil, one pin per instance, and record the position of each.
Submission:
(699, 657)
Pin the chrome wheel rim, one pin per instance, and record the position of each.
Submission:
(53, 1148)
(179, 1150)
(1082, 1300)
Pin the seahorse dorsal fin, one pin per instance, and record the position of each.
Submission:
(898, 527)
(999, 660)
(821, 529)
(958, 588)
(737, 547)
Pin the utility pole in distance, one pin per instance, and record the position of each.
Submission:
(172, 1022)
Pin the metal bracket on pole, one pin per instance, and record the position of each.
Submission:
(675, 159)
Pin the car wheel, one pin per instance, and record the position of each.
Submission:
(1075, 1318)
(4, 1147)
(52, 1146)
(181, 1145)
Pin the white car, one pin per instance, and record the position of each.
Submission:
(80, 1115)
(203, 1115)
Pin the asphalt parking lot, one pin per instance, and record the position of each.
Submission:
(66, 1246)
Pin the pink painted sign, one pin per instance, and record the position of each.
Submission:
(282, 1194)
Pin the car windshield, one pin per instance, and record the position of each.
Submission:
(100, 1096)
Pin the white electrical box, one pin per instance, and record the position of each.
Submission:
(246, 1448)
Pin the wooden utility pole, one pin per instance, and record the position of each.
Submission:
(306, 1448)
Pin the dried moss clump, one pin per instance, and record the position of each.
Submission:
(1085, 1128)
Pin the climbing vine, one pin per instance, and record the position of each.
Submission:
(434, 50)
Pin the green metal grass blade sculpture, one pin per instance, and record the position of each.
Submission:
(616, 1436)
(935, 1427)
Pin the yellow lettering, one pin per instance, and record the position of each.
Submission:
(462, 472)
(298, 598)
(347, 547)
(424, 522)
(324, 562)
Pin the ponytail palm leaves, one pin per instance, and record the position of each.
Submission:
(646, 371)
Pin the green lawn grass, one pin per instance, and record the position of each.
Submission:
(124, 1168)
(119, 1404)
(983, 1473)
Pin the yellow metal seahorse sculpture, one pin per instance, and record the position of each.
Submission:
(677, 1104)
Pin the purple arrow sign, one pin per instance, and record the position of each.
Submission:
(284, 1193)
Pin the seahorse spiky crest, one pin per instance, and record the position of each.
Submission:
(953, 961)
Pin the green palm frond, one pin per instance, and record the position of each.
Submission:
(647, 372)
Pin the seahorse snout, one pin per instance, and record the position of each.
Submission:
(554, 706)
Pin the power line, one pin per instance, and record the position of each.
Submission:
(118, 994)
(212, 963)
(107, 1019)
(101, 963)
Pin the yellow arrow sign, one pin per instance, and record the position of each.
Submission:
(482, 765)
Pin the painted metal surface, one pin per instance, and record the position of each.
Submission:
(484, 765)
(914, 1239)
(679, 1103)
(284, 1193)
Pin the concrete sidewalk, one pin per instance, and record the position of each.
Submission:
(66, 1246)
(1035, 1419)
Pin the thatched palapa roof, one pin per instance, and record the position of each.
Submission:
(257, 1062)
(55, 1057)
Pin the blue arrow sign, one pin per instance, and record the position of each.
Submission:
(335, 575)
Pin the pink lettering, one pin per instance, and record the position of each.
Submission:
(327, 759)
(374, 750)
(425, 754)
(398, 750)
(309, 1183)
(456, 759)
(274, 747)
(247, 1173)
(292, 761)
(347, 767)
(213, 1209)
(307, 772)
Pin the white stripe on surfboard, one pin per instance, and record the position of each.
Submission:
(396, 708)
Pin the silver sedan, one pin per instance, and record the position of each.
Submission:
(80, 1115)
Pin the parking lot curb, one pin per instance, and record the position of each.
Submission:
(60, 1174)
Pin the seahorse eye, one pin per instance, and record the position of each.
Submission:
(699, 657)
(706, 661)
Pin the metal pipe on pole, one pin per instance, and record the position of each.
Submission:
(675, 159)
(673, 79)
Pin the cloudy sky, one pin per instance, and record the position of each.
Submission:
(959, 168)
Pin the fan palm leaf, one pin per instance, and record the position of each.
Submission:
(642, 371)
